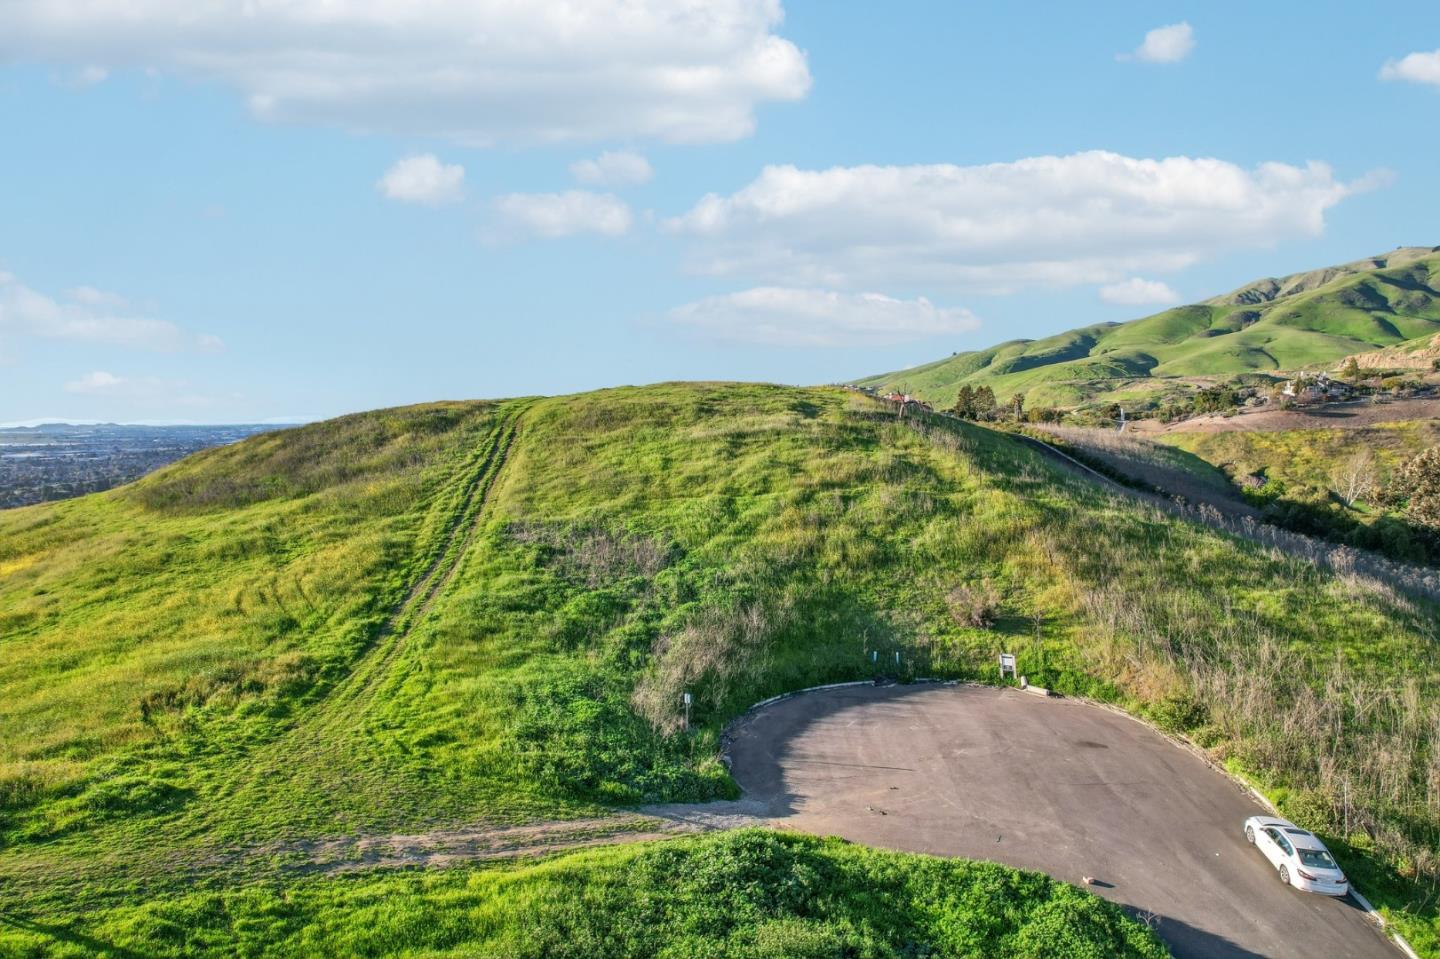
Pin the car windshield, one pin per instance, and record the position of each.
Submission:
(1318, 858)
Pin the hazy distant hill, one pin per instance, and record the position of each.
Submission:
(1277, 323)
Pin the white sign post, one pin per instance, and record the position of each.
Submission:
(686, 699)
(1007, 665)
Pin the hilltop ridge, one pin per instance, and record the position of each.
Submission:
(1274, 324)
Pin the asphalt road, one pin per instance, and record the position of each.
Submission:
(1047, 784)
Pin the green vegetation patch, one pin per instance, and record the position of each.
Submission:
(1337, 483)
(739, 895)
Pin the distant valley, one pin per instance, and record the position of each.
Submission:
(59, 460)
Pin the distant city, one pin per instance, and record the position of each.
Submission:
(59, 460)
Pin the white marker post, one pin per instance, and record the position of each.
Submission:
(685, 698)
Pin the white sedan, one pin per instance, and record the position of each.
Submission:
(1301, 859)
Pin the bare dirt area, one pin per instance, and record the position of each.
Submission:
(453, 845)
(444, 847)
(1063, 787)
(1324, 416)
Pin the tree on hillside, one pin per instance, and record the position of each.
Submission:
(1415, 489)
(1354, 479)
(1350, 372)
(1215, 399)
(984, 402)
(1017, 406)
(964, 402)
(974, 403)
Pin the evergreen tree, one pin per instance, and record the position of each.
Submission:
(984, 402)
(965, 403)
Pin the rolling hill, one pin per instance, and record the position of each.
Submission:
(484, 614)
(1274, 324)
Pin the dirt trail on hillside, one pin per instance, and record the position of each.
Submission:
(440, 848)
(482, 842)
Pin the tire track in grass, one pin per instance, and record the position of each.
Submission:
(317, 757)
(392, 636)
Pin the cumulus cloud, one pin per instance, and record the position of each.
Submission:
(1086, 218)
(1169, 44)
(780, 316)
(1414, 68)
(613, 169)
(1138, 292)
(89, 315)
(423, 179)
(564, 214)
(479, 72)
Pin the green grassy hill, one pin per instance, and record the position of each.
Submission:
(1290, 323)
(487, 612)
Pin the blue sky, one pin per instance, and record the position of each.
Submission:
(299, 210)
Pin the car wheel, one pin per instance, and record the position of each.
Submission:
(1285, 875)
(1250, 835)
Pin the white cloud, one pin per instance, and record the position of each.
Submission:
(780, 316)
(146, 389)
(96, 382)
(89, 315)
(83, 77)
(1138, 292)
(564, 214)
(476, 71)
(423, 179)
(1415, 68)
(1169, 44)
(613, 169)
(1086, 218)
(90, 296)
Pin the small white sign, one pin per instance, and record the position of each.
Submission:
(686, 699)
(1007, 664)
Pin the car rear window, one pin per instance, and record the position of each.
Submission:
(1317, 858)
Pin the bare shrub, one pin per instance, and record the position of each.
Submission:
(711, 655)
(974, 604)
(595, 556)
